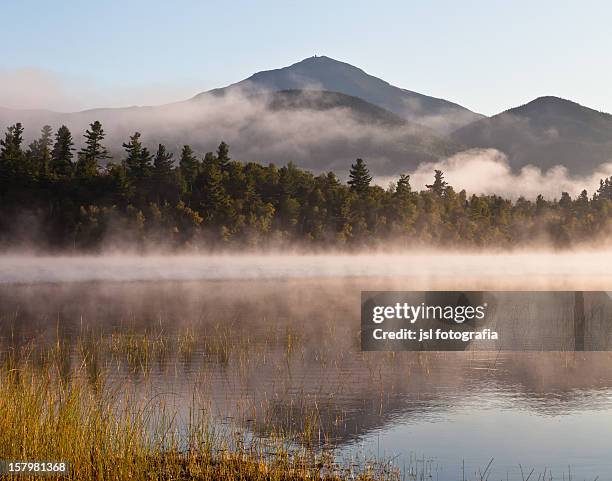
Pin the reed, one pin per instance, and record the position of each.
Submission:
(91, 404)
(105, 433)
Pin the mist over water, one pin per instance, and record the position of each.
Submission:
(266, 342)
(280, 346)
(534, 267)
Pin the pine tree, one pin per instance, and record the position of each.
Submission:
(605, 189)
(165, 187)
(40, 152)
(541, 204)
(11, 155)
(212, 198)
(208, 160)
(223, 157)
(439, 185)
(93, 153)
(189, 167)
(332, 180)
(10, 148)
(403, 189)
(360, 177)
(565, 202)
(138, 160)
(61, 155)
(403, 207)
(163, 162)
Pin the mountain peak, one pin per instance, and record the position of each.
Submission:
(318, 72)
(319, 59)
(546, 101)
(546, 131)
(550, 106)
(324, 61)
(328, 74)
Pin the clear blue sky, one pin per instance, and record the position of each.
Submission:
(486, 55)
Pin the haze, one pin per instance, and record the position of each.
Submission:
(518, 270)
(318, 140)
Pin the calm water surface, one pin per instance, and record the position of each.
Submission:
(263, 348)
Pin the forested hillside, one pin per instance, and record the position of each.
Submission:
(53, 196)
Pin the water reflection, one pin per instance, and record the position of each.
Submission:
(285, 356)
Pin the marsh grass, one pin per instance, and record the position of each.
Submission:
(187, 343)
(52, 408)
(140, 350)
(77, 402)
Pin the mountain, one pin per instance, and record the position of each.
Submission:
(545, 132)
(324, 73)
(362, 111)
(317, 130)
(319, 113)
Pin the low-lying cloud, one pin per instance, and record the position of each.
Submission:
(314, 136)
(320, 139)
(487, 171)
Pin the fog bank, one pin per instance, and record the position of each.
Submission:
(592, 265)
(487, 171)
(316, 130)
(319, 131)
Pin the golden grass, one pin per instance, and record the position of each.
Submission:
(106, 434)
(75, 404)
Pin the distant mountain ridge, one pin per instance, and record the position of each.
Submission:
(322, 113)
(325, 73)
(545, 132)
(317, 130)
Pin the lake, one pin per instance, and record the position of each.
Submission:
(270, 343)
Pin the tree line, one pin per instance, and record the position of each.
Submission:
(53, 196)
